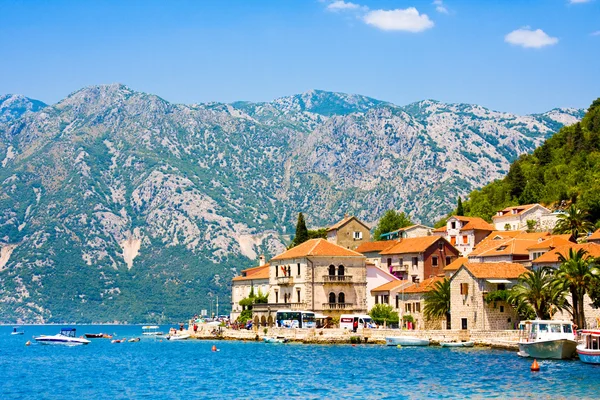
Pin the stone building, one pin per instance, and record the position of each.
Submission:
(412, 302)
(417, 259)
(515, 218)
(349, 233)
(256, 278)
(468, 287)
(318, 276)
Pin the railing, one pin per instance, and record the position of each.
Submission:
(279, 306)
(336, 306)
(337, 278)
(285, 280)
(399, 268)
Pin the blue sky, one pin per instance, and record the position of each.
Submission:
(519, 56)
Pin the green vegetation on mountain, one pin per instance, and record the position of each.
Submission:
(564, 170)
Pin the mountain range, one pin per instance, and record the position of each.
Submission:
(119, 206)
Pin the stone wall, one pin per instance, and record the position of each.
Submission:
(345, 235)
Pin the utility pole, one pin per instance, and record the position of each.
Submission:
(217, 306)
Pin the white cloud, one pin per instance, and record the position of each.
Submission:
(528, 38)
(578, 1)
(341, 5)
(597, 33)
(399, 20)
(440, 7)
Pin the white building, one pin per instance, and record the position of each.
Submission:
(464, 233)
(515, 218)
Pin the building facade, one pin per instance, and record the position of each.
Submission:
(252, 279)
(515, 218)
(464, 233)
(349, 233)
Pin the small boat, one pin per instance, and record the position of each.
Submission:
(268, 339)
(406, 341)
(182, 336)
(547, 339)
(107, 336)
(65, 337)
(137, 339)
(94, 335)
(118, 340)
(17, 332)
(151, 330)
(457, 344)
(589, 347)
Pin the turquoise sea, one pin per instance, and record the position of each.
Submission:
(189, 369)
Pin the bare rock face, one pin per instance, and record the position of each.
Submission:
(126, 207)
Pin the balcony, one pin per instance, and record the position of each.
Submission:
(285, 280)
(400, 268)
(337, 306)
(337, 278)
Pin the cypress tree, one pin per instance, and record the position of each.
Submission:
(516, 179)
(459, 208)
(301, 231)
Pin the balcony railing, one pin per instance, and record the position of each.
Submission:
(285, 280)
(399, 268)
(336, 306)
(337, 278)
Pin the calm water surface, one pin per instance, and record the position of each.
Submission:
(155, 369)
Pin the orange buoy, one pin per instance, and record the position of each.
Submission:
(27, 343)
(214, 348)
(535, 367)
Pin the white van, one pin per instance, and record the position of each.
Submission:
(364, 321)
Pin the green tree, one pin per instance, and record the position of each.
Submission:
(320, 233)
(531, 225)
(536, 288)
(577, 274)
(390, 222)
(437, 302)
(516, 179)
(384, 313)
(301, 231)
(574, 221)
(460, 211)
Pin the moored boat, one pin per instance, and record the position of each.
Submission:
(406, 341)
(589, 347)
(457, 344)
(65, 337)
(547, 339)
(269, 339)
(94, 335)
(151, 330)
(182, 336)
(16, 332)
(137, 339)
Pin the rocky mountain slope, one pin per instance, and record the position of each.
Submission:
(118, 205)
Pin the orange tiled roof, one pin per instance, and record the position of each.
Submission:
(441, 229)
(380, 245)
(456, 264)
(412, 245)
(343, 222)
(317, 248)
(514, 242)
(497, 270)
(386, 287)
(595, 235)
(425, 286)
(551, 243)
(261, 272)
(507, 212)
(593, 250)
(478, 224)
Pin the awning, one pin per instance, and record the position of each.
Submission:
(497, 281)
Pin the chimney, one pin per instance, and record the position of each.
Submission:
(261, 260)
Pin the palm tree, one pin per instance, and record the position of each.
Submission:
(576, 274)
(575, 222)
(437, 302)
(536, 289)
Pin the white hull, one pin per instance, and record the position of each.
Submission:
(179, 337)
(557, 349)
(406, 341)
(61, 340)
(457, 344)
(17, 333)
(588, 356)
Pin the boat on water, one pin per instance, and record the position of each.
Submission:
(589, 346)
(66, 337)
(181, 336)
(406, 341)
(457, 344)
(547, 339)
(17, 332)
(132, 340)
(151, 330)
(268, 339)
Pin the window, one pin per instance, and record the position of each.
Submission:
(453, 240)
(464, 288)
(441, 245)
(407, 307)
(276, 294)
(386, 299)
(341, 270)
(358, 235)
(298, 269)
(434, 261)
(448, 260)
(417, 307)
(332, 297)
(415, 279)
(465, 239)
(397, 301)
(401, 262)
(389, 262)
(376, 299)
(298, 294)
(415, 261)
(331, 270)
(276, 271)
(341, 298)
(453, 225)
(502, 286)
(501, 308)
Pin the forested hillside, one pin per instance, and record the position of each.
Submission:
(565, 169)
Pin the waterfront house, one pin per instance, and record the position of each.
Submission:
(350, 233)
(372, 250)
(318, 276)
(515, 218)
(417, 259)
(470, 285)
(416, 230)
(252, 279)
(464, 233)
(412, 302)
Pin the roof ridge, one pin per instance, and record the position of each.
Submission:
(317, 242)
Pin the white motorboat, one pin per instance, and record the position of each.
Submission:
(16, 332)
(406, 341)
(547, 339)
(151, 330)
(270, 339)
(457, 344)
(65, 337)
(589, 347)
(182, 336)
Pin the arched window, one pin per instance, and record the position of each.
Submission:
(341, 298)
(331, 297)
(341, 270)
(332, 270)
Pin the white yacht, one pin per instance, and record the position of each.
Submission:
(405, 341)
(65, 337)
(547, 339)
(151, 330)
